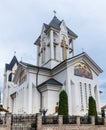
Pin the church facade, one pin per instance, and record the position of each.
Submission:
(30, 89)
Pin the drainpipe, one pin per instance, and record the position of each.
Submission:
(38, 89)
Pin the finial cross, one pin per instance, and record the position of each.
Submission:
(14, 53)
(54, 12)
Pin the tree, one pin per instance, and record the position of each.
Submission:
(92, 107)
(63, 103)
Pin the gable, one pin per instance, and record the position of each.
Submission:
(86, 64)
(83, 57)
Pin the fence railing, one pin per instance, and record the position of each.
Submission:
(50, 120)
(69, 119)
(36, 122)
(23, 118)
(85, 120)
(99, 121)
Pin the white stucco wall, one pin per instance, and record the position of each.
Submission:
(72, 88)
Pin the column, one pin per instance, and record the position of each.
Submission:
(51, 44)
(24, 99)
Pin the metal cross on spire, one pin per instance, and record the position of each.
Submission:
(14, 53)
(54, 12)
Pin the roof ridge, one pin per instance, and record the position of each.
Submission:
(32, 65)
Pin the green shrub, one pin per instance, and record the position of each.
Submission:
(63, 103)
(92, 107)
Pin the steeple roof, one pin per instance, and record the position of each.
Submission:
(55, 23)
(10, 66)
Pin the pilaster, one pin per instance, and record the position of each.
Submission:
(25, 96)
(30, 98)
(51, 44)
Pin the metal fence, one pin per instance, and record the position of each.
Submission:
(85, 120)
(69, 119)
(50, 120)
(99, 121)
(23, 122)
(29, 122)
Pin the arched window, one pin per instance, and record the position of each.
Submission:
(10, 77)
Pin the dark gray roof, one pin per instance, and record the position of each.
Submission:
(7, 67)
(71, 33)
(33, 66)
(46, 26)
(55, 23)
(50, 81)
(10, 66)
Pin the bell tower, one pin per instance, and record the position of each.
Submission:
(55, 43)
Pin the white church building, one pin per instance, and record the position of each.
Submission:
(29, 88)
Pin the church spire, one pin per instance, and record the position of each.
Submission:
(55, 43)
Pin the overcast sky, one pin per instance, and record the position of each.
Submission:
(21, 22)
